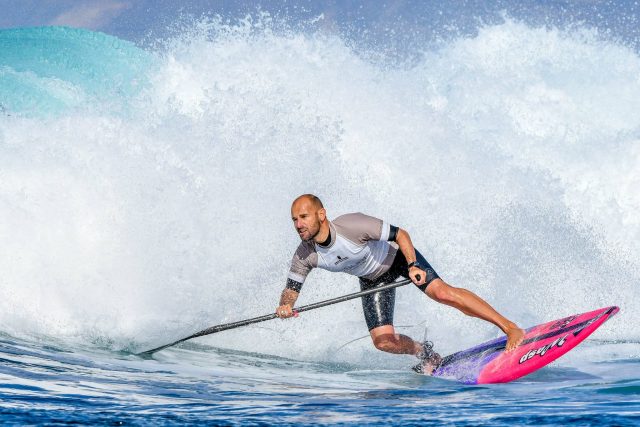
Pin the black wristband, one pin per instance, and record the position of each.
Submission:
(393, 233)
(413, 264)
(294, 285)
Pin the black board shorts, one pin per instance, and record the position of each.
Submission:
(378, 307)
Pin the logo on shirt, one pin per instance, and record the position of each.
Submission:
(340, 259)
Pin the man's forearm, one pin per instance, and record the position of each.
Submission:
(406, 246)
(288, 297)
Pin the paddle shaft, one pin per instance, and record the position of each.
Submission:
(226, 326)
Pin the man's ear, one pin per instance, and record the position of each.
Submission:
(322, 214)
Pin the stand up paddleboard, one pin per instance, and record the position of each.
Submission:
(488, 363)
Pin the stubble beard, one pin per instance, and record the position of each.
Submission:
(310, 239)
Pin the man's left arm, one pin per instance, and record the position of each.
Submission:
(403, 240)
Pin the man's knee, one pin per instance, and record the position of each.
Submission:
(442, 292)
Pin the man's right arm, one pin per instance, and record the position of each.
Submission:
(287, 301)
(304, 260)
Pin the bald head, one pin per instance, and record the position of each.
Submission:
(309, 217)
(309, 198)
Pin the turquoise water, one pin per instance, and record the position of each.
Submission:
(51, 69)
(144, 195)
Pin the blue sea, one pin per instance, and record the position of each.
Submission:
(147, 169)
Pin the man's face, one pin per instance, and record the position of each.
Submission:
(306, 219)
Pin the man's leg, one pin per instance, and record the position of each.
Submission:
(378, 313)
(472, 305)
(385, 339)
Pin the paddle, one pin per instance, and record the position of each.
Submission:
(225, 326)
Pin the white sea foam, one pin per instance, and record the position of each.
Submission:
(513, 159)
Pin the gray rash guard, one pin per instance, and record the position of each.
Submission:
(358, 246)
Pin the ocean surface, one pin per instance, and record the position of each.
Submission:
(145, 188)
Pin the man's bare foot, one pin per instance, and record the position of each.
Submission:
(515, 336)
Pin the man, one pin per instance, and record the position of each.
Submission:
(377, 253)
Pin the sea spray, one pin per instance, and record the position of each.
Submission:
(511, 157)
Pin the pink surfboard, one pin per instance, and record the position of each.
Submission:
(488, 363)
